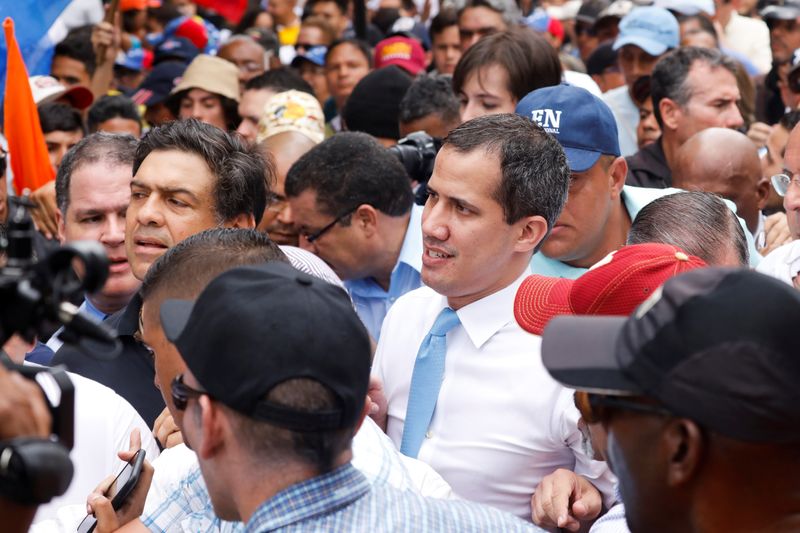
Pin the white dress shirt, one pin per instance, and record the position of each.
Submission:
(750, 37)
(501, 422)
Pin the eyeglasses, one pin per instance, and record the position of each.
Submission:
(276, 204)
(181, 393)
(311, 237)
(781, 182)
(592, 406)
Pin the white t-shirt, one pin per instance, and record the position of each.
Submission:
(627, 116)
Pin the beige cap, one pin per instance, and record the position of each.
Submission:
(292, 111)
(212, 74)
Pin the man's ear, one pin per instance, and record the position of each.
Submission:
(242, 221)
(617, 173)
(671, 113)
(685, 447)
(212, 427)
(365, 218)
(61, 227)
(762, 192)
(531, 232)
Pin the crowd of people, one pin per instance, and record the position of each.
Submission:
(424, 265)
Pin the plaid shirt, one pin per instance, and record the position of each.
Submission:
(343, 500)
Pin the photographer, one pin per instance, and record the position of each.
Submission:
(23, 413)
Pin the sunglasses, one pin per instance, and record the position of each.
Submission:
(181, 393)
(594, 407)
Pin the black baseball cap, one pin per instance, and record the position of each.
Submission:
(159, 83)
(716, 345)
(255, 327)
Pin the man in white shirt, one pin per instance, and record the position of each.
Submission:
(500, 423)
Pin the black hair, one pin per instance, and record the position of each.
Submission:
(535, 175)
(699, 223)
(242, 172)
(430, 95)
(668, 79)
(112, 106)
(77, 45)
(444, 19)
(362, 47)
(341, 4)
(350, 169)
(230, 107)
(55, 116)
(279, 80)
(114, 149)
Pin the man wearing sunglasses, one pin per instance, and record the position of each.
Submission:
(697, 391)
(351, 201)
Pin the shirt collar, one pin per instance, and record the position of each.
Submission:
(314, 497)
(411, 251)
(92, 310)
(482, 319)
(760, 236)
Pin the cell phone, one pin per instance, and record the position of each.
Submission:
(119, 490)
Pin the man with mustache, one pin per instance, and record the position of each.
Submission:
(187, 177)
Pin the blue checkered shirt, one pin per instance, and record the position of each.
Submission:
(343, 500)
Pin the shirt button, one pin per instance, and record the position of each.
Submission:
(428, 434)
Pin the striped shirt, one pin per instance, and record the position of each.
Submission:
(343, 500)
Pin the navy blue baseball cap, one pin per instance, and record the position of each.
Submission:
(581, 122)
(314, 55)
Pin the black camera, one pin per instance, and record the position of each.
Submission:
(417, 152)
(35, 296)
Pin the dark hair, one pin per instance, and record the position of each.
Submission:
(320, 23)
(108, 107)
(186, 268)
(77, 45)
(362, 47)
(248, 19)
(641, 89)
(529, 60)
(279, 80)
(230, 107)
(790, 119)
(699, 223)
(385, 17)
(350, 169)
(430, 95)
(507, 8)
(668, 79)
(341, 4)
(444, 19)
(242, 172)
(164, 13)
(266, 38)
(55, 116)
(706, 26)
(535, 174)
(111, 148)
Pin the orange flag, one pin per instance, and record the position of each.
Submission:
(26, 146)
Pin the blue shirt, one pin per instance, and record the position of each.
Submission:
(343, 500)
(371, 301)
(42, 353)
(634, 199)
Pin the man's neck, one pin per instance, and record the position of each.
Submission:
(397, 227)
(290, 20)
(724, 14)
(670, 145)
(106, 306)
(514, 269)
(251, 490)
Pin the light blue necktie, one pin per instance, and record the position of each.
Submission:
(426, 381)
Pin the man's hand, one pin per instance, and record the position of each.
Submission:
(23, 409)
(106, 41)
(378, 404)
(776, 230)
(44, 214)
(759, 133)
(564, 499)
(166, 431)
(97, 503)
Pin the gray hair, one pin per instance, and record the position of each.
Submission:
(699, 223)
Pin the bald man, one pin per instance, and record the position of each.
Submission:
(284, 149)
(248, 56)
(726, 162)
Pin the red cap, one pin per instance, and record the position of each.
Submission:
(404, 52)
(194, 30)
(614, 286)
